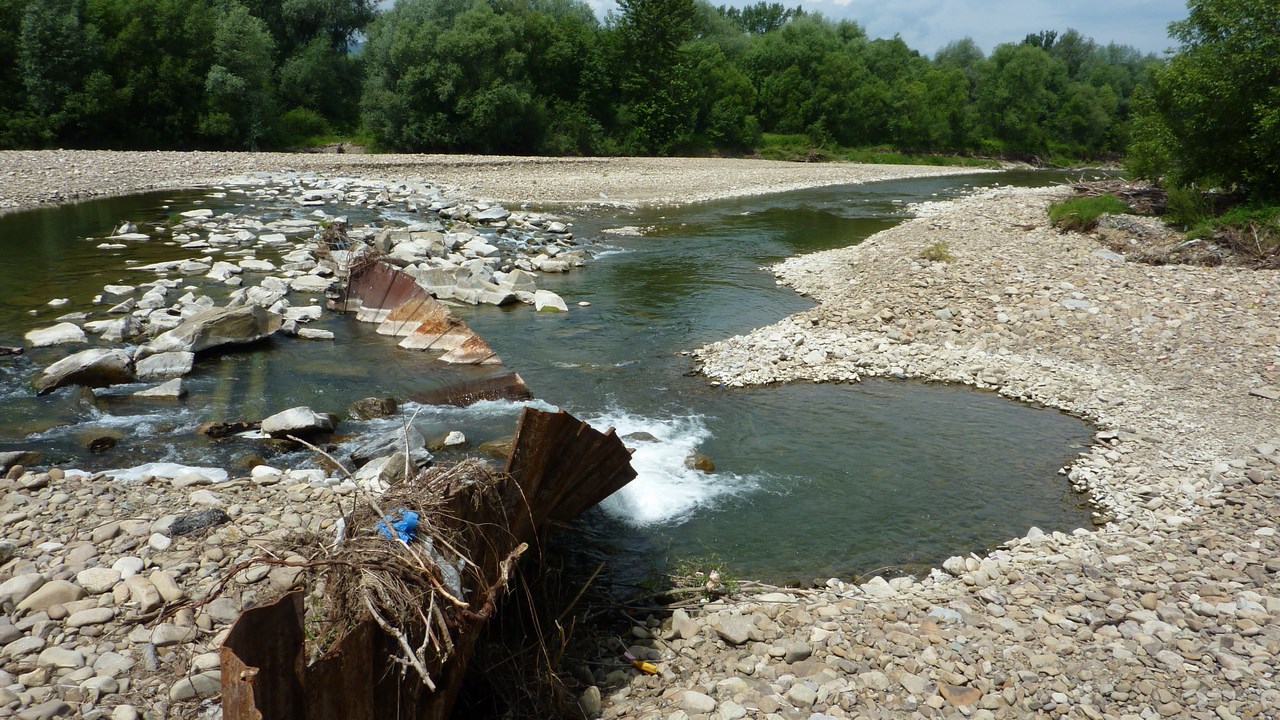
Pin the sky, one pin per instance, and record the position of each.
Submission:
(926, 25)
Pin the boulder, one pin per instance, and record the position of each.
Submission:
(311, 284)
(214, 328)
(173, 390)
(497, 213)
(388, 443)
(96, 367)
(372, 408)
(300, 421)
(60, 334)
(165, 365)
(549, 301)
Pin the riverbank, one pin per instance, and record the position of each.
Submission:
(33, 178)
(1171, 608)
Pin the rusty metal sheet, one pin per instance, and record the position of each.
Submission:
(499, 387)
(261, 660)
(564, 467)
(380, 293)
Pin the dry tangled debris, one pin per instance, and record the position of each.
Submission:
(385, 622)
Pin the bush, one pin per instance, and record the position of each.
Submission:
(1251, 230)
(1186, 206)
(939, 251)
(301, 126)
(1081, 214)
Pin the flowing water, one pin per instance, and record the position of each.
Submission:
(810, 480)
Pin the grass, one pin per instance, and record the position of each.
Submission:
(708, 574)
(1081, 214)
(939, 251)
(1253, 230)
(794, 147)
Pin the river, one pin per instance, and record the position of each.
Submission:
(809, 481)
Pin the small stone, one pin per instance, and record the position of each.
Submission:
(205, 685)
(166, 634)
(589, 701)
(159, 542)
(696, 703)
(733, 629)
(960, 696)
(91, 616)
(57, 657)
(166, 586)
(128, 566)
(54, 592)
(187, 524)
(797, 651)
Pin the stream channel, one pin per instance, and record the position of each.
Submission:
(810, 481)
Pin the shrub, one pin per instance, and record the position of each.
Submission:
(939, 251)
(1186, 206)
(1081, 214)
(302, 125)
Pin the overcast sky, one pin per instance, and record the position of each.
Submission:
(927, 25)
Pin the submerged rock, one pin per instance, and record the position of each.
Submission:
(96, 367)
(394, 441)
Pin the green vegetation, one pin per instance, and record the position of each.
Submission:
(707, 575)
(1252, 230)
(938, 251)
(546, 76)
(1211, 116)
(1081, 214)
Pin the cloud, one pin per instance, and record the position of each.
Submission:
(927, 25)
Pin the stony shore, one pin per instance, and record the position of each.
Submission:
(30, 178)
(1172, 609)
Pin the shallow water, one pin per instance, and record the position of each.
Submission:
(810, 481)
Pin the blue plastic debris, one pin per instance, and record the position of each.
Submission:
(405, 528)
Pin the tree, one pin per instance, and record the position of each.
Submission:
(655, 79)
(239, 93)
(1213, 114)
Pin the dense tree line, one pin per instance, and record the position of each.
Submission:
(539, 76)
(1211, 117)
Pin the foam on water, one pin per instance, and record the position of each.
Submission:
(665, 489)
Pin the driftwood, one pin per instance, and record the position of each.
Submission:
(410, 612)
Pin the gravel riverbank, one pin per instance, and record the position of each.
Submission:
(1171, 609)
(30, 178)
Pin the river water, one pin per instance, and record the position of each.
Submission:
(810, 481)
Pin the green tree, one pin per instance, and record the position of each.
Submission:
(1018, 95)
(239, 92)
(57, 49)
(1213, 114)
(655, 75)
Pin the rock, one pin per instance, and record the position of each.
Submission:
(207, 684)
(548, 301)
(60, 334)
(797, 651)
(54, 592)
(98, 580)
(878, 587)
(7, 551)
(46, 710)
(96, 367)
(311, 284)
(696, 703)
(960, 696)
(164, 365)
(171, 390)
(733, 629)
(166, 586)
(698, 461)
(205, 497)
(801, 695)
(193, 522)
(1267, 392)
(914, 684)
(166, 634)
(215, 328)
(19, 587)
(372, 408)
(57, 657)
(143, 593)
(497, 213)
(301, 421)
(589, 701)
(128, 566)
(314, 334)
(125, 712)
(91, 616)
(388, 443)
